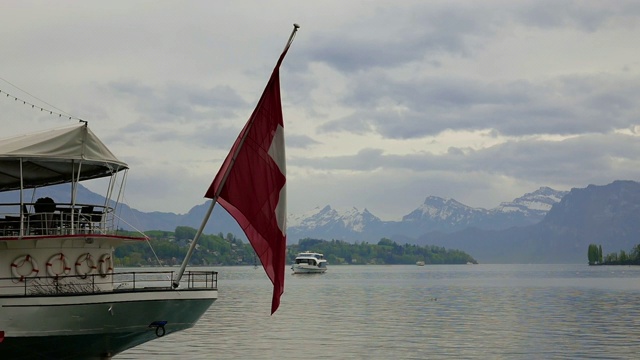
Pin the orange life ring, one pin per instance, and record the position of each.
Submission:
(85, 258)
(19, 262)
(105, 265)
(64, 266)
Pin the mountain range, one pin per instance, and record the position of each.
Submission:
(607, 215)
(544, 226)
(435, 214)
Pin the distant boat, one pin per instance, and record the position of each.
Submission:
(420, 263)
(309, 263)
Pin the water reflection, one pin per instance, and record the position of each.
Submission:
(410, 312)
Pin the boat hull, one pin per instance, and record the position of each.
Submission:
(95, 326)
(308, 269)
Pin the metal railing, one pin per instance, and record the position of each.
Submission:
(60, 219)
(117, 282)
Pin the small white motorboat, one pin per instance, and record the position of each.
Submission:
(309, 263)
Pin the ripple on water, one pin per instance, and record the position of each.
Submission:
(410, 312)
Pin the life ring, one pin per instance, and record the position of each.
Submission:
(160, 331)
(90, 265)
(105, 265)
(64, 266)
(21, 260)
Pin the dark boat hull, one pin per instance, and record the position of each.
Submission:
(95, 326)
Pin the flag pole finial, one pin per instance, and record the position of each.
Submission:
(293, 35)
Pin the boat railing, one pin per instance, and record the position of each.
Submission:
(29, 219)
(134, 281)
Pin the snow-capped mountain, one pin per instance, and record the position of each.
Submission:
(440, 214)
(329, 223)
(443, 209)
(537, 203)
(435, 214)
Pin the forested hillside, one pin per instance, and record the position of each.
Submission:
(384, 252)
(169, 248)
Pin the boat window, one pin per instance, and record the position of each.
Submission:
(306, 261)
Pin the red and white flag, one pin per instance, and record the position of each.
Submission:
(251, 183)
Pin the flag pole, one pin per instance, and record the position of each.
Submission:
(214, 199)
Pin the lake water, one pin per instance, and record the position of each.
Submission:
(417, 312)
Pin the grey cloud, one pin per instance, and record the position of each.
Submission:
(583, 15)
(219, 96)
(402, 35)
(571, 161)
(179, 103)
(349, 55)
(365, 159)
(300, 141)
(566, 105)
(203, 110)
(407, 34)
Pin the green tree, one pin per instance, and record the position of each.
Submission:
(623, 258)
(635, 254)
(185, 233)
(600, 254)
(592, 254)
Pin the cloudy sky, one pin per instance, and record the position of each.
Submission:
(385, 102)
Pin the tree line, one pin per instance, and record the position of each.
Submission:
(385, 252)
(595, 257)
(169, 248)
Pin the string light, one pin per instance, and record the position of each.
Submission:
(33, 106)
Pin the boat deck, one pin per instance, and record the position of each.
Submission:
(54, 219)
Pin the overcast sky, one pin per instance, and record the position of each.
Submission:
(385, 102)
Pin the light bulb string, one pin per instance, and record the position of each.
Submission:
(34, 106)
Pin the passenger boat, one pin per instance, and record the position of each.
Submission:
(309, 263)
(59, 295)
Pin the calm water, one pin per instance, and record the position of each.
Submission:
(411, 312)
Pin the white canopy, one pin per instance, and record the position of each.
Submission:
(55, 157)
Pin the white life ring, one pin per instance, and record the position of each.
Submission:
(63, 265)
(90, 265)
(19, 262)
(105, 265)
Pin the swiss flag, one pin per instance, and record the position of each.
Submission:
(250, 184)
